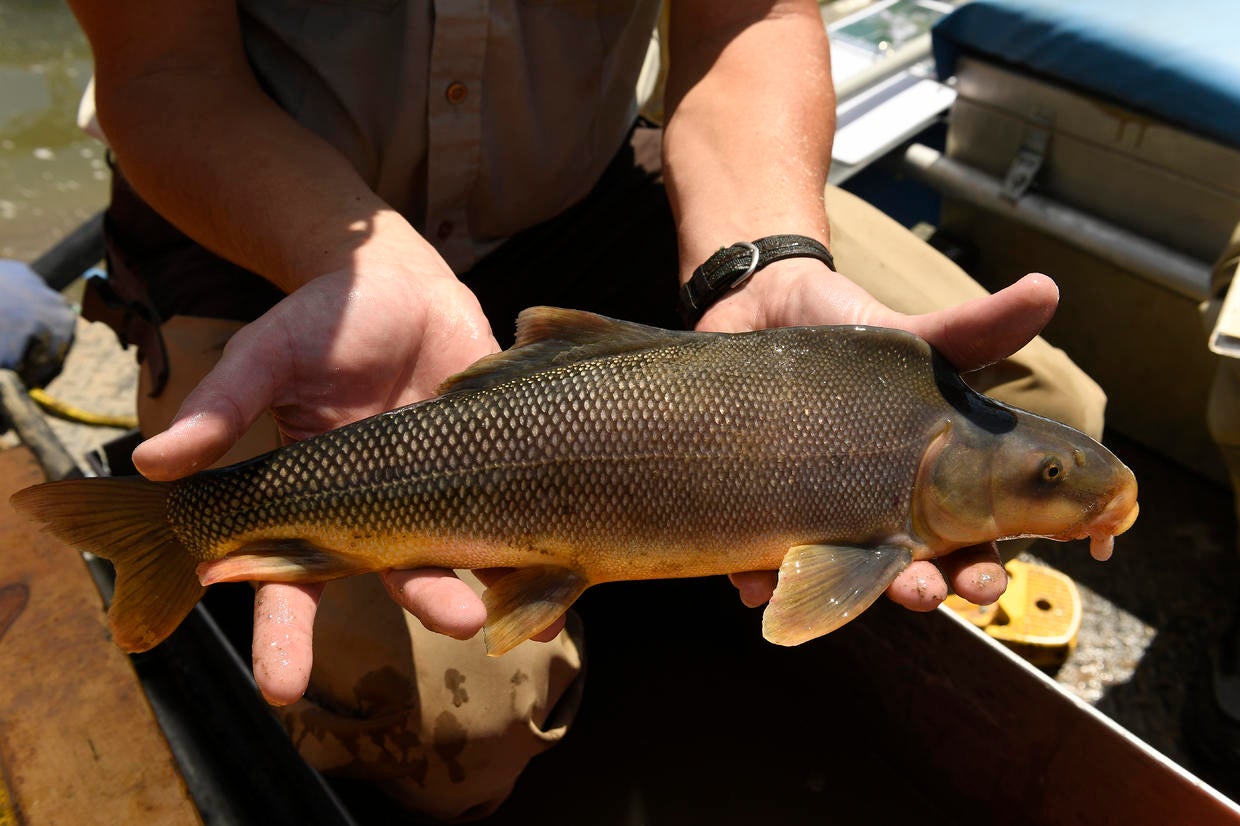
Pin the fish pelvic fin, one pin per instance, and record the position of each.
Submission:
(526, 601)
(280, 560)
(549, 337)
(822, 587)
(125, 521)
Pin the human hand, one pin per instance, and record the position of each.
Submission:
(36, 325)
(797, 292)
(344, 346)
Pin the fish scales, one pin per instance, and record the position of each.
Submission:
(598, 450)
(637, 454)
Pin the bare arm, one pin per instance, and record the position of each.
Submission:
(205, 146)
(751, 118)
(375, 318)
(747, 148)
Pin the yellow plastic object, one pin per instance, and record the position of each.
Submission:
(1038, 615)
(77, 414)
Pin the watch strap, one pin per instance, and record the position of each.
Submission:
(731, 266)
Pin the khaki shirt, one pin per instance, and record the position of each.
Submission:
(473, 118)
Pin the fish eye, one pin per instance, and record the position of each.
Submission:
(1052, 469)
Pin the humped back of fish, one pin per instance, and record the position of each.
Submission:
(594, 450)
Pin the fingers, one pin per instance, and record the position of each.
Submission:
(283, 653)
(971, 335)
(284, 621)
(985, 330)
(919, 587)
(755, 587)
(438, 599)
(975, 573)
(216, 414)
(446, 605)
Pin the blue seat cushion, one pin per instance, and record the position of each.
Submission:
(1178, 61)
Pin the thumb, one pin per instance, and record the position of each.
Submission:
(987, 329)
(216, 414)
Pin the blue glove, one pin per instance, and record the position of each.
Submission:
(36, 325)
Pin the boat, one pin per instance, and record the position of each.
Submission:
(962, 122)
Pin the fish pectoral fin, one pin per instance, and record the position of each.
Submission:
(822, 587)
(280, 560)
(526, 601)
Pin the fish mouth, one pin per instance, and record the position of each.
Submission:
(1118, 516)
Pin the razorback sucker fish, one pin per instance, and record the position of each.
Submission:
(597, 450)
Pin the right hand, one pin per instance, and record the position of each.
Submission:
(970, 335)
(342, 347)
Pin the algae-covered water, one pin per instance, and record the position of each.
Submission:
(52, 176)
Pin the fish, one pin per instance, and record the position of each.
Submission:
(597, 450)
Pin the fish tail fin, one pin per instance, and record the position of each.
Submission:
(124, 520)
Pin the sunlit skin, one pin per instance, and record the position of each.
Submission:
(971, 336)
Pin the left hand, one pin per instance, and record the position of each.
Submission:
(800, 292)
(346, 345)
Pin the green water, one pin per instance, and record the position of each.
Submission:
(52, 176)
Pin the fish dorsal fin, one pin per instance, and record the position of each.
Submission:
(550, 337)
(579, 329)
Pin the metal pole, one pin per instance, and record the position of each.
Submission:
(1166, 267)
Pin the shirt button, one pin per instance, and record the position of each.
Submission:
(444, 229)
(456, 93)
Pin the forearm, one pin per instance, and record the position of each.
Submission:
(747, 143)
(209, 150)
(254, 187)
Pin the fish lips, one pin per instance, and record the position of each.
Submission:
(1117, 516)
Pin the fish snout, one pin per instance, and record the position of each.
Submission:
(1118, 516)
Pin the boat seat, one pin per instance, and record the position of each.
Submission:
(1178, 62)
